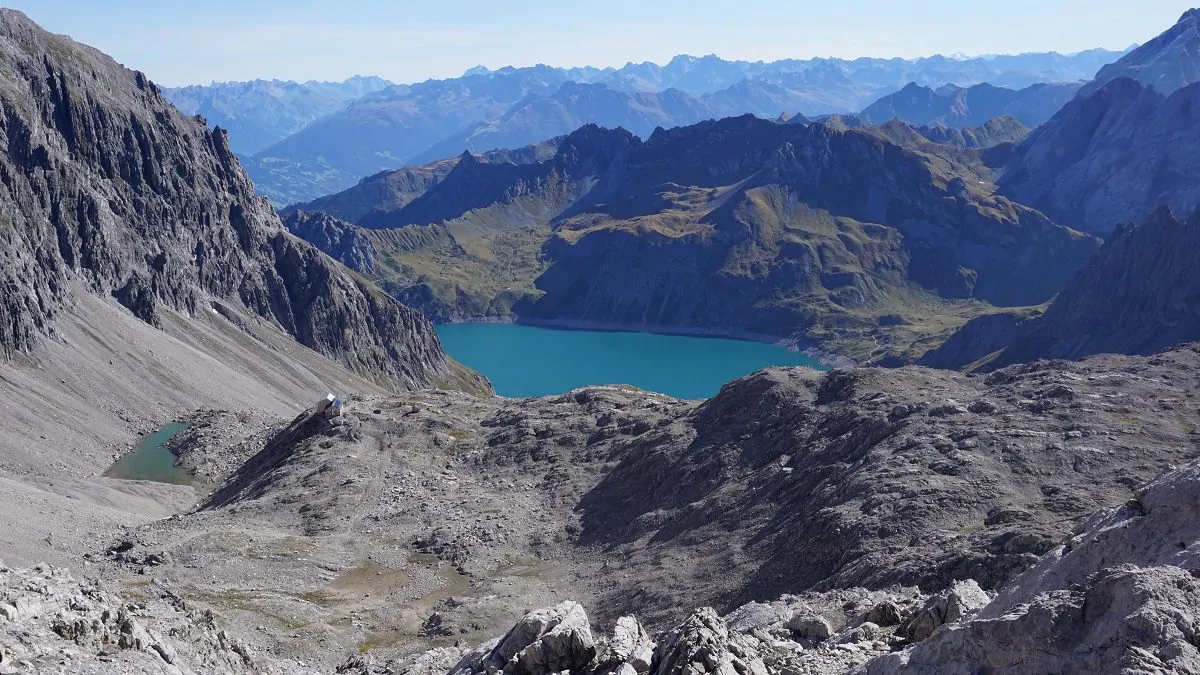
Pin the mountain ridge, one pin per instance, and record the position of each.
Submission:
(387, 129)
(736, 203)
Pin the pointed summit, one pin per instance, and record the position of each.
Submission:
(1168, 63)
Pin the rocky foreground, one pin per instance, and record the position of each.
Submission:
(1119, 596)
(830, 521)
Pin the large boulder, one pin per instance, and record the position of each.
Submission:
(962, 599)
(703, 645)
(549, 640)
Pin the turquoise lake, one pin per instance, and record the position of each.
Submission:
(530, 361)
(151, 460)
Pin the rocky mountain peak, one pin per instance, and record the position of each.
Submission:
(1168, 62)
(110, 190)
(1110, 156)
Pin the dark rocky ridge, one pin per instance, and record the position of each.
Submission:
(737, 226)
(336, 238)
(1139, 295)
(105, 184)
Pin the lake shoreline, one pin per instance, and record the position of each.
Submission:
(826, 358)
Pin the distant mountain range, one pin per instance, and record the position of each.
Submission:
(737, 226)
(956, 106)
(260, 113)
(510, 107)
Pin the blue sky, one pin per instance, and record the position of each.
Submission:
(177, 42)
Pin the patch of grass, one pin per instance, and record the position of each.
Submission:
(367, 646)
(319, 597)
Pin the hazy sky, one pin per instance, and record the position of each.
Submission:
(181, 42)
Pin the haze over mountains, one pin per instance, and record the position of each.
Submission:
(535, 234)
(513, 107)
(261, 113)
(872, 520)
(973, 106)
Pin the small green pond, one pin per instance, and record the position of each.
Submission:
(152, 460)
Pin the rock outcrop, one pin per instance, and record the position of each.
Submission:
(335, 238)
(107, 187)
(52, 623)
(1119, 597)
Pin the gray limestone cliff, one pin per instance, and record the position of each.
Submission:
(105, 186)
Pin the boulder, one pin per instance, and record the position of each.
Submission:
(704, 645)
(962, 599)
(810, 626)
(545, 641)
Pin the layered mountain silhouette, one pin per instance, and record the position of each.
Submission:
(260, 113)
(484, 109)
(956, 106)
(1139, 295)
(739, 225)
(569, 108)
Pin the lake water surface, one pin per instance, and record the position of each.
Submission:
(151, 460)
(532, 361)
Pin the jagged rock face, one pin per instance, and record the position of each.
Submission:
(546, 641)
(1119, 597)
(1111, 157)
(1139, 295)
(335, 238)
(961, 600)
(1169, 62)
(105, 185)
